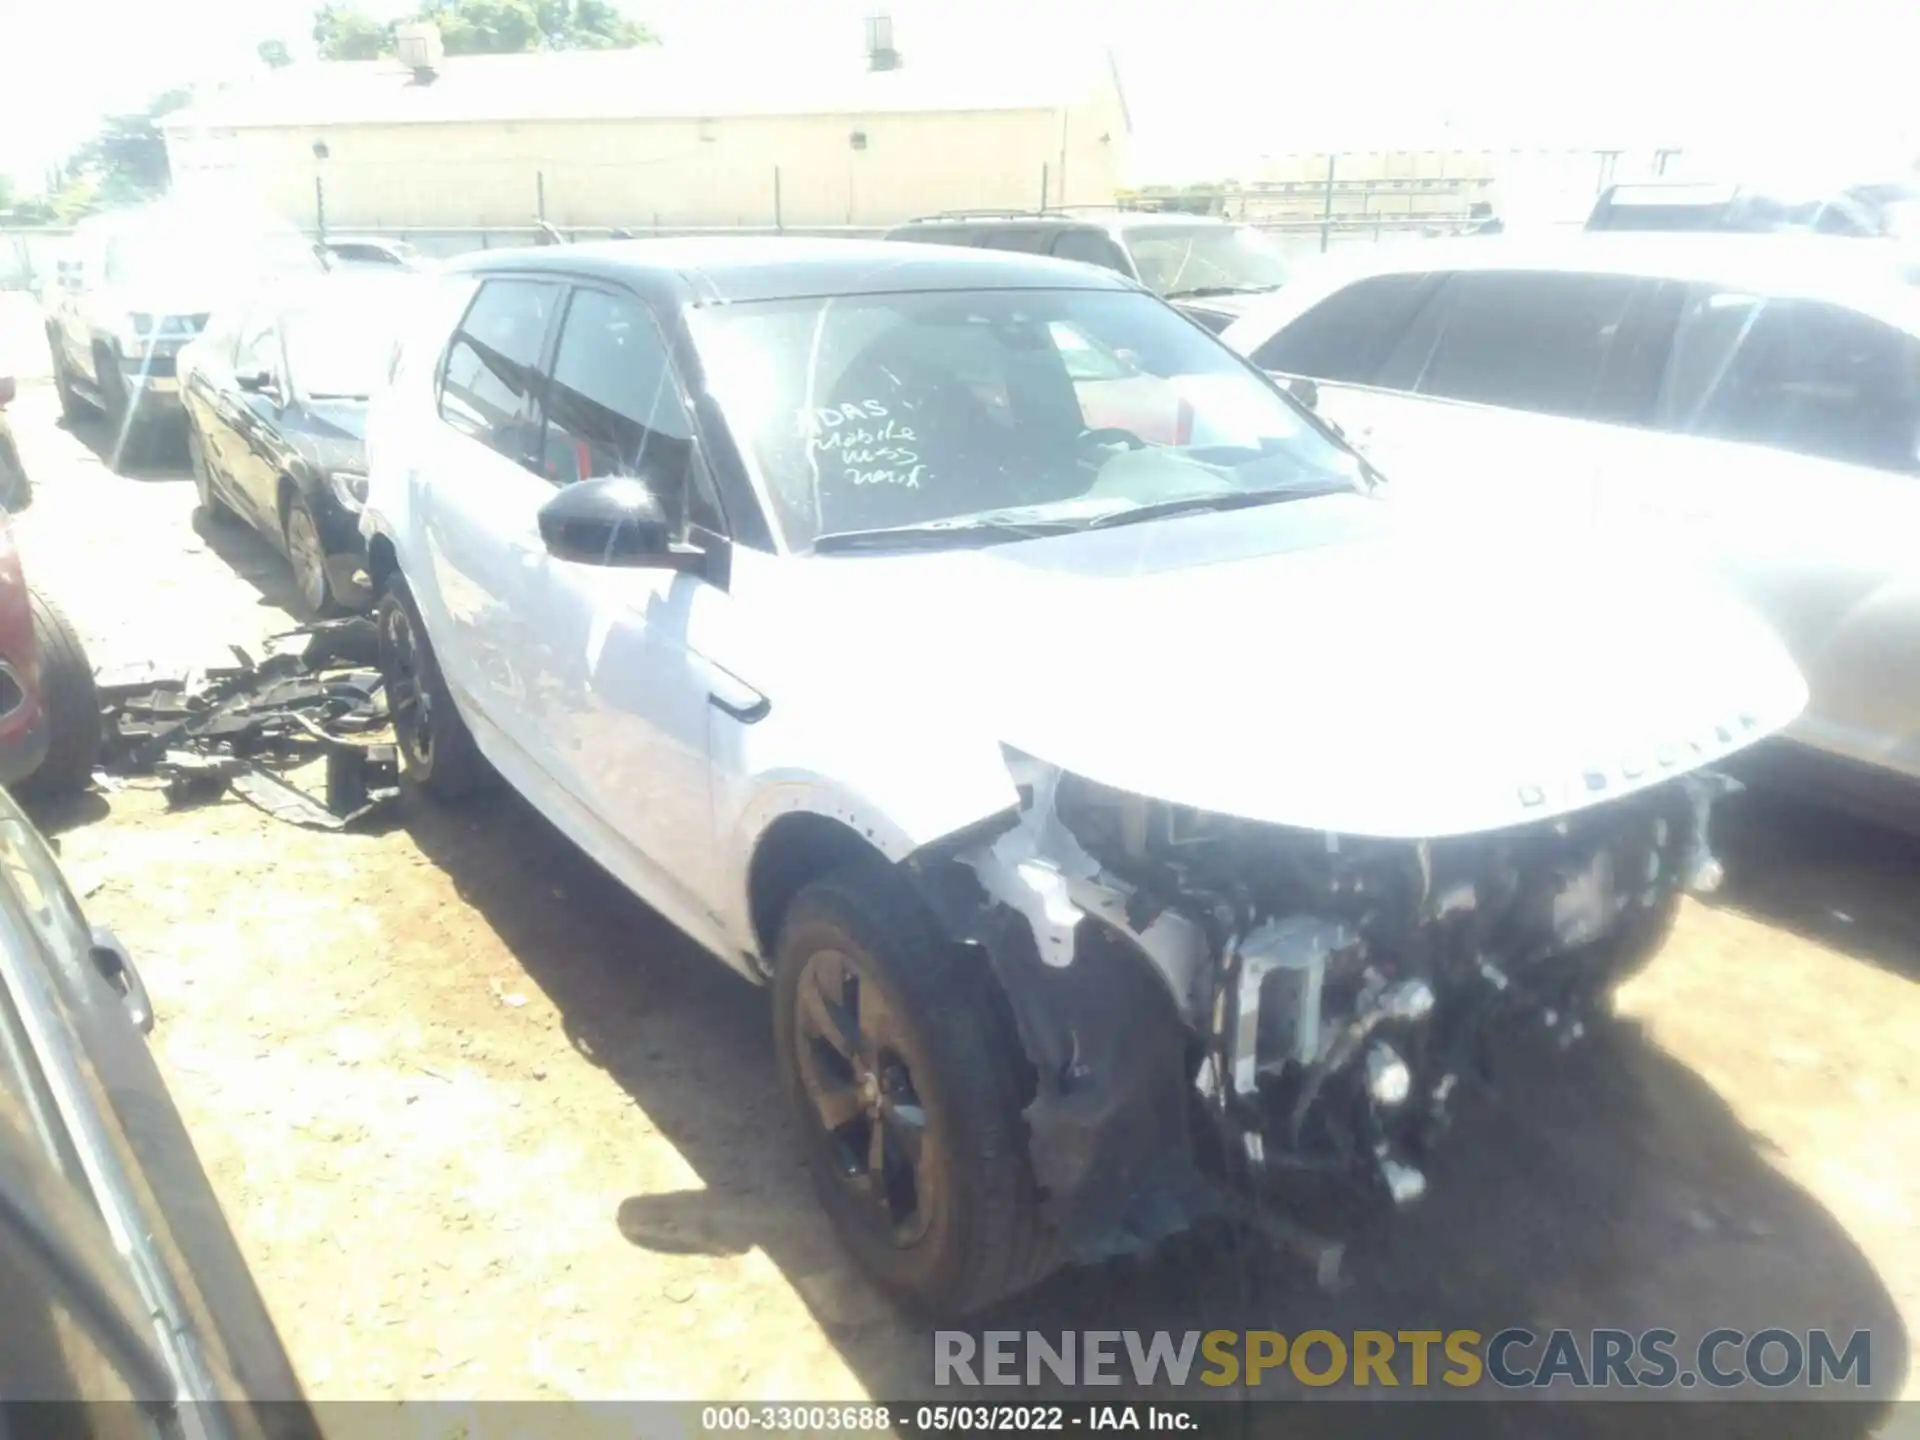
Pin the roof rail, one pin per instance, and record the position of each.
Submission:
(992, 212)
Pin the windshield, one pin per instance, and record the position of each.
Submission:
(1180, 260)
(339, 354)
(201, 261)
(881, 411)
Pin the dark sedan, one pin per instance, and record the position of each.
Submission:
(276, 397)
(122, 1281)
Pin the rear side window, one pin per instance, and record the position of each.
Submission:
(1540, 342)
(1346, 336)
(487, 385)
(1028, 239)
(1796, 375)
(1089, 247)
(938, 235)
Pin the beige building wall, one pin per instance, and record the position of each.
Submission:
(669, 172)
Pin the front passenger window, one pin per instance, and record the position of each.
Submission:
(487, 387)
(613, 407)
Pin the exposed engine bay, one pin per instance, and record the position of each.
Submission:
(1312, 1002)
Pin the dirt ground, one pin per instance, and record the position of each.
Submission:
(487, 1128)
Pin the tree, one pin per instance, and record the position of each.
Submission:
(485, 27)
(343, 32)
(274, 54)
(127, 159)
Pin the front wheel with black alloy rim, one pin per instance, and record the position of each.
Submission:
(436, 748)
(905, 1082)
(307, 554)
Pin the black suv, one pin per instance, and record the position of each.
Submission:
(1211, 269)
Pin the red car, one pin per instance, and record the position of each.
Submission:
(49, 709)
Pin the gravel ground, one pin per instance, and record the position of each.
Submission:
(488, 1128)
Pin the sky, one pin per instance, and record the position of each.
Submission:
(1214, 84)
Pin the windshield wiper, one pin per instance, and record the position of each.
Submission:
(942, 534)
(1198, 292)
(339, 395)
(1219, 500)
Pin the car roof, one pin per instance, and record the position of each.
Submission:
(1783, 263)
(732, 269)
(351, 290)
(1881, 277)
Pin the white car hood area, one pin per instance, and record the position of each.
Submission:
(1324, 664)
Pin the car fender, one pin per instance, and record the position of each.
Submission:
(898, 786)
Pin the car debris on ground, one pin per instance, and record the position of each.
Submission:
(237, 728)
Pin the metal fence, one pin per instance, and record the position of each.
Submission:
(27, 256)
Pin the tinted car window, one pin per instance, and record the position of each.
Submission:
(1090, 247)
(1028, 239)
(1346, 336)
(1797, 375)
(613, 406)
(487, 386)
(938, 235)
(1538, 342)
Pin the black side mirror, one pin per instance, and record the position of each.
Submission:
(614, 520)
(1303, 390)
(259, 383)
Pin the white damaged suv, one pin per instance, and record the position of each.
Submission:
(1134, 815)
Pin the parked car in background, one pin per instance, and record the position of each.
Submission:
(352, 252)
(1753, 402)
(276, 393)
(1888, 209)
(49, 710)
(16, 491)
(131, 288)
(794, 581)
(1210, 269)
(124, 1286)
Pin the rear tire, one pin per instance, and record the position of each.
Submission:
(71, 702)
(307, 557)
(16, 491)
(436, 748)
(880, 1025)
(130, 439)
(72, 407)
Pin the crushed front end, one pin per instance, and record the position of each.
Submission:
(1204, 998)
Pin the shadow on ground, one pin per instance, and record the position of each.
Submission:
(1610, 1188)
(164, 459)
(1831, 876)
(252, 557)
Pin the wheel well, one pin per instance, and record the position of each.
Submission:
(796, 850)
(382, 562)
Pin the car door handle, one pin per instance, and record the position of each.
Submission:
(731, 695)
(110, 957)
